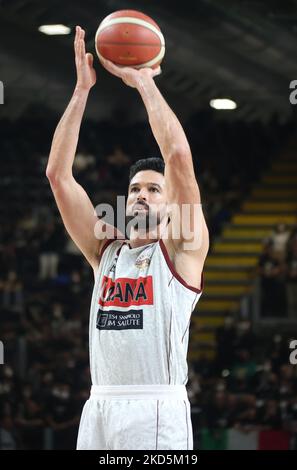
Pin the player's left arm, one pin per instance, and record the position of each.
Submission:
(182, 187)
(189, 230)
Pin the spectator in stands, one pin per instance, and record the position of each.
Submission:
(287, 382)
(277, 351)
(271, 268)
(271, 417)
(13, 298)
(217, 410)
(83, 161)
(242, 372)
(225, 341)
(291, 418)
(291, 263)
(72, 258)
(279, 239)
(62, 415)
(8, 438)
(49, 249)
(268, 385)
(245, 337)
(30, 419)
(247, 420)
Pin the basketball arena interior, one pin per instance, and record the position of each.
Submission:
(242, 381)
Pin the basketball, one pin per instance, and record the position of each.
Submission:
(129, 37)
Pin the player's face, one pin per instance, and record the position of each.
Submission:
(147, 195)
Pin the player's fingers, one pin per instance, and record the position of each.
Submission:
(111, 67)
(106, 64)
(78, 49)
(90, 59)
(82, 49)
(76, 38)
(82, 34)
(157, 71)
(77, 46)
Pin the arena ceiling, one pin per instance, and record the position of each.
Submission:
(242, 49)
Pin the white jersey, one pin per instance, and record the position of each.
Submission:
(139, 318)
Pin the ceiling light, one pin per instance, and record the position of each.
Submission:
(54, 29)
(223, 103)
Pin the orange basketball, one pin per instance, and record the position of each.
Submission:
(129, 37)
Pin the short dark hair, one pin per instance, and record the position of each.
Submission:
(152, 163)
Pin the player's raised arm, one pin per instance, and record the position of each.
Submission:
(73, 202)
(181, 184)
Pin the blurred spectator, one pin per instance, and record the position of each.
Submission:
(242, 372)
(83, 161)
(292, 281)
(245, 338)
(62, 416)
(271, 268)
(287, 383)
(247, 420)
(279, 239)
(277, 351)
(30, 419)
(267, 383)
(225, 341)
(72, 258)
(118, 158)
(217, 410)
(271, 415)
(8, 440)
(13, 298)
(49, 248)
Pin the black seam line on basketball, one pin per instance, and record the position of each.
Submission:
(129, 44)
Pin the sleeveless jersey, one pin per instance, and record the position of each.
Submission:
(139, 317)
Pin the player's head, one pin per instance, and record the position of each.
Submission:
(147, 198)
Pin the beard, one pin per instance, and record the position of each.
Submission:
(143, 220)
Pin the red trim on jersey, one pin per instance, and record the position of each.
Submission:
(175, 274)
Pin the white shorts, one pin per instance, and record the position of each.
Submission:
(136, 417)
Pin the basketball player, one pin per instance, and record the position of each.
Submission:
(146, 287)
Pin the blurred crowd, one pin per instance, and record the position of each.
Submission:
(250, 386)
(46, 285)
(278, 273)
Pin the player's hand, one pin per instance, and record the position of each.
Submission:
(130, 76)
(86, 74)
